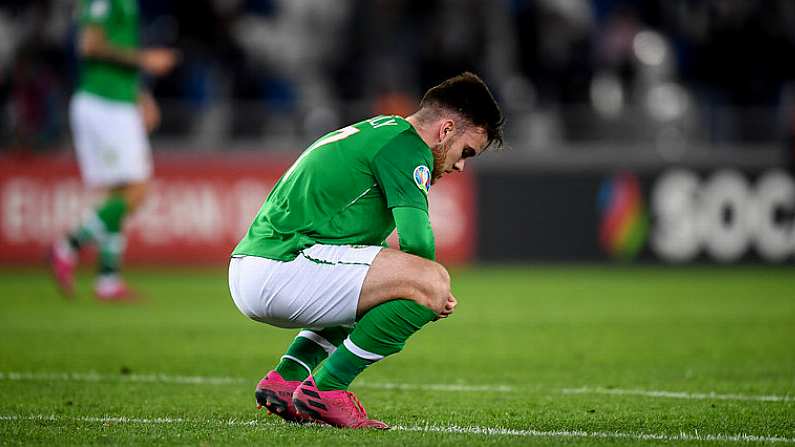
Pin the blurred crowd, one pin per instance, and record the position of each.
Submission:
(657, 71)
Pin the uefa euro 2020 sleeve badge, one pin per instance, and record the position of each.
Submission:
(422, 177)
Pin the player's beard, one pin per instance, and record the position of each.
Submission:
(439, 156)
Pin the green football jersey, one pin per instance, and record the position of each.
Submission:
(340, 191)
(119, 20)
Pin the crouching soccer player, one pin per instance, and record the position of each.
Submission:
(314, 255)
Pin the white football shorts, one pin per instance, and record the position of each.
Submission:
(320, 288)
(110, 139)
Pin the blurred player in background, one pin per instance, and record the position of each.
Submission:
(314, 256)
(110, 115)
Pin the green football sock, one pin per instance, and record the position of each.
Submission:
(382, 331)
(81, 237)
(111, 249)
(309, 348)
(111, 244)
(340, 369)
(105, 220)
(112, 212)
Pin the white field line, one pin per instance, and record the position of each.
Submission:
(103, 420)
(452, 429)
(434, 387)
(204, 380)
(97, 377)
(683, 436)
(677, 394)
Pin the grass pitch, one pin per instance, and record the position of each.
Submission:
(533, 356)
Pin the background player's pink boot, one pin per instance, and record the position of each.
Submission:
(339, 408)
(275, 394)
(63, 261)
(112, 288)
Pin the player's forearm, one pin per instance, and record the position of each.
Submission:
(94, 45)
(150, 112)
(414, 232)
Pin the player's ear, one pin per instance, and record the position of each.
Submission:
(446, 129)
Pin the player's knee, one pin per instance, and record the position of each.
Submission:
(135, 193)
(437, 288)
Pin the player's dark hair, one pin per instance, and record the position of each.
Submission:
(467, 95)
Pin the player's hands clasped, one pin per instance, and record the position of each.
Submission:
(449, 307)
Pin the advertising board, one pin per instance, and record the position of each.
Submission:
(199, 207)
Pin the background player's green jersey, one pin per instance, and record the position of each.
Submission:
(341, 189)
(119, 21)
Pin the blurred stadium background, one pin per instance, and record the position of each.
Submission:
(660, 130)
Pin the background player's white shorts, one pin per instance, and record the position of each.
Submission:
(111, 143)
(319, 288)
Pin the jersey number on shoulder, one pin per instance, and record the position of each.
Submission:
(337, 135)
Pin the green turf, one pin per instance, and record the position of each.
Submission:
(537, 331)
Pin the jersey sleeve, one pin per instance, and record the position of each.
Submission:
(414, 232)
(402, 169)
(95, 12)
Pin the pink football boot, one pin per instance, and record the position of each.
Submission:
(275, 394)
(113, 288)
(63, 261)
(339, 408)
